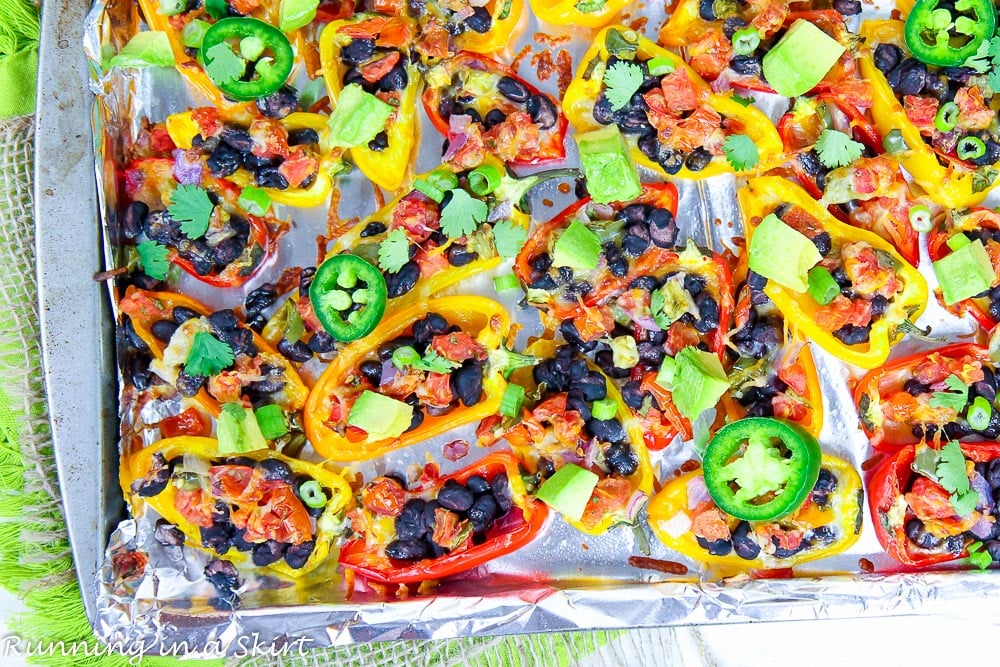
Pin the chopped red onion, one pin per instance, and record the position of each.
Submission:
(635, 504)
(186, 171)
(455, 450)
(457, 125)
(697, 492)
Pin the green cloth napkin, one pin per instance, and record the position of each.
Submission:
(18, 57)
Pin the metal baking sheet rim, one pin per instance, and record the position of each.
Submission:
(79, 358)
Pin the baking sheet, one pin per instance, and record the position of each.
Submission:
(585, 583)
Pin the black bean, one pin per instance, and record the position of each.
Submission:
(403, 281)
(847, 7)
(662, 228)
(634, 121)
(298, 352)
(297, 555)
(358, 51)
(513, 90)
(224, 161)
(372, 371)
(501, 492)
(993, 549)
(823, 243)
(386, 349)
(303, 137)
(133, 218)
(617, 264)
(239, 540)
(223, 320)
(919, 535)
(493, 118)
(156, 481)
(646, 283)
(168, 534)
(912, 77)
(622, 459)
(633, 394)
(572, 336)
(459, 255)
(603, 113)
(236, 138)
(280, 103)
(716, 547)
(276, 470)
(224, 577)
(606, 430)
(467, 383)
(634, 245)
(217, 537)
(731, 25)
(396, 79)
(852, 335)
(542, 111)
(709, 311)
(634, 214)
(453, 496)
(746, 65)
(879, 305)
(189, 385)
(480, 21)
(822, 536)
(698, 159)
(428, 327)
(270, 177)
(226, 252)
(410, 522)
(706, 10)
(782, 552)
(260, 299)
(592, 386)
(744, 544)
(159, 226)
(993, 474)
(694, 284)
(411, 549)
(266, 553)
(671, 161)
(650, 353)
(482, 512)
(605, 361)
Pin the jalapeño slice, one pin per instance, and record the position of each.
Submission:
(760, 469)
(263, 52)
(946, 33)
(348, 294)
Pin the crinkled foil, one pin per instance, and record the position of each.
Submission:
(157, 599)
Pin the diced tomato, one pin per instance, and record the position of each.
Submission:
(298, 166)
(873, 175)
(702, 129)
(611, 495)
(225, 387)
(516, 138)
(450, 531)
(384, 496)
(141, 307)
(801, 221)
(160, 140)
(434, 40)
(435, 391)
(710, 524)
(900, 408)
(281, 517)
(189, 422)
(304, 306)
(235, 484)
(974, 114)
(270, 138)
(458, 346)
(208, 121)
(769, 17)
(921, 112)
(430, 261)
(678, 91)
(593, 323)
(489, 431)
(842, 311)
(386, 30)
(473, 150)
(417, 216)
(929, 500)
(681, 335)
(787, 407)
(375, 70)
(868, 277)
(794, 375)
(783, 538)
(854, 92)
(710, 54)
(195, 506)
(567, 427)
(244, 7)
(551, 406)
(403, 383)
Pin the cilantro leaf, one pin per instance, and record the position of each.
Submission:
(462, 214)
(208, 355)
(435, 363)
(508, 238)
(153, 258)
(954, 399)
(965, 503)
(191, 207)
(745, 101)
(622, 80)
(223, 65)
(951, 469)
(394, 251)
(836, 149)
(741, 152)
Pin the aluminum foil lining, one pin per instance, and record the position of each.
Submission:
(157, 597)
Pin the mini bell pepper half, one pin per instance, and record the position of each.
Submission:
(448, 28)
(423, 249)
(586, 13)
(267, 52)
(421, 534)
(975, 224)
(192, 358)
(942, 394)
(953, 176)
(280, 513)
(676, 125)
(483, 107)
(878, 294)
(216, 257)
(349, 57)
(920, 519)
(286, 158)
(684, 517)
(403, 383)
(583, 422)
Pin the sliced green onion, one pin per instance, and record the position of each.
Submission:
(404, 356)
(980, 414)
(194, 33)
(443, 179)
(947, 117)
(506, 283)
(958, 241)
(512, 400)
(171, 7)
(745, 41)
(484, 179)
(822, 287)
(665, 376)
(660, 65)
(970, 148)
(432, 191)
(271, 421)
(254, 200)
(312, 494)
(604, 409)
(920, 218)
(894, 142)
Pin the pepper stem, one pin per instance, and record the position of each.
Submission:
(908, 327)
(515, 189)
(506, 361)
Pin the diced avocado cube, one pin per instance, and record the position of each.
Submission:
(379, 416)
(577, 248)
(801, 59)
(964, 273)
(782, 254)
(359, 116)
(568, 491)
(699, 381)
(236, 433)
(611, 176)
